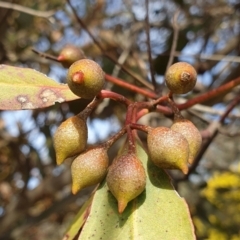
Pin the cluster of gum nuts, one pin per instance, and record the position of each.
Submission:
(168, 148)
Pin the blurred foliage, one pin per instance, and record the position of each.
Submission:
(222, 194)
(35, 195)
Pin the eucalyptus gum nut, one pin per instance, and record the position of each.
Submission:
(126, 179)
(70, 54)
(192, 134)
(70, 138)
(168, 149)
(89, 168)
(181, 78)
(85, 78)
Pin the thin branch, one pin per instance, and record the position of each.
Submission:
(45, 55)
(207, 109)
(210, 94)
(213, 57)
(19, 8)
(130, 86)
(152, 72)
(114, 96)
(175, 38)
(97, 43)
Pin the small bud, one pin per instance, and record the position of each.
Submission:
(168, 149)
(85, 78)
(181, 78)
(126, 179)
(191, 133)
(89, 168)
(70, 138)
(69, 55)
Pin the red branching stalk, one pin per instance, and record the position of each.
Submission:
(140, 127)
(211, 94)
(114, 138)
(130, 86)
(114, 96)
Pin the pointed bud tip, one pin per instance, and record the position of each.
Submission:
(75, 189)
(122, 204)
(184, 169)
(61, 58)
(59, 161)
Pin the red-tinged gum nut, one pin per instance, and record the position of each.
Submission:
(70, 54)
(70, 138)
(89, 168)
(192, 134)
(85, 78)
(168, 149)
(181, 78)
(126, 179)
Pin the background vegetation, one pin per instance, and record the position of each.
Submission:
(35, 195)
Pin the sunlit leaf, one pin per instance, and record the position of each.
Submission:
(158, 213)
(25, 88)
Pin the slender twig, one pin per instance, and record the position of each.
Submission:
(97, 43)
(213, 57)
(141, 127)
(114, 96)
(152, 72)
(20, 8)
(45, 55)
(176, 111)
(164, 110)
(123, 57)
(175, 38)
(131, 118)
(151, 105)
(87, 111)
(114, 138)
(142, 113)
(210, 94)
(130, 86)
(207, 109)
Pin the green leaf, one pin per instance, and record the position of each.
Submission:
(158, 213)
(25, 88)
(78, 221)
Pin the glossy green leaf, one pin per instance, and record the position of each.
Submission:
(25, 88)
(158, 213)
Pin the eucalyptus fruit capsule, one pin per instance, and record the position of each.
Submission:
(168, 149)
(126, 179)
(89, 168)
(191, 133)
(85, 78)
(181, 78)
(70, 54)
(70, 138)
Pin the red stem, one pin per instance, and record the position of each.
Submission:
(130, 86)
(211, 94)
(114, 138)
(114, 96)
(140, 127)
(142, 113)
